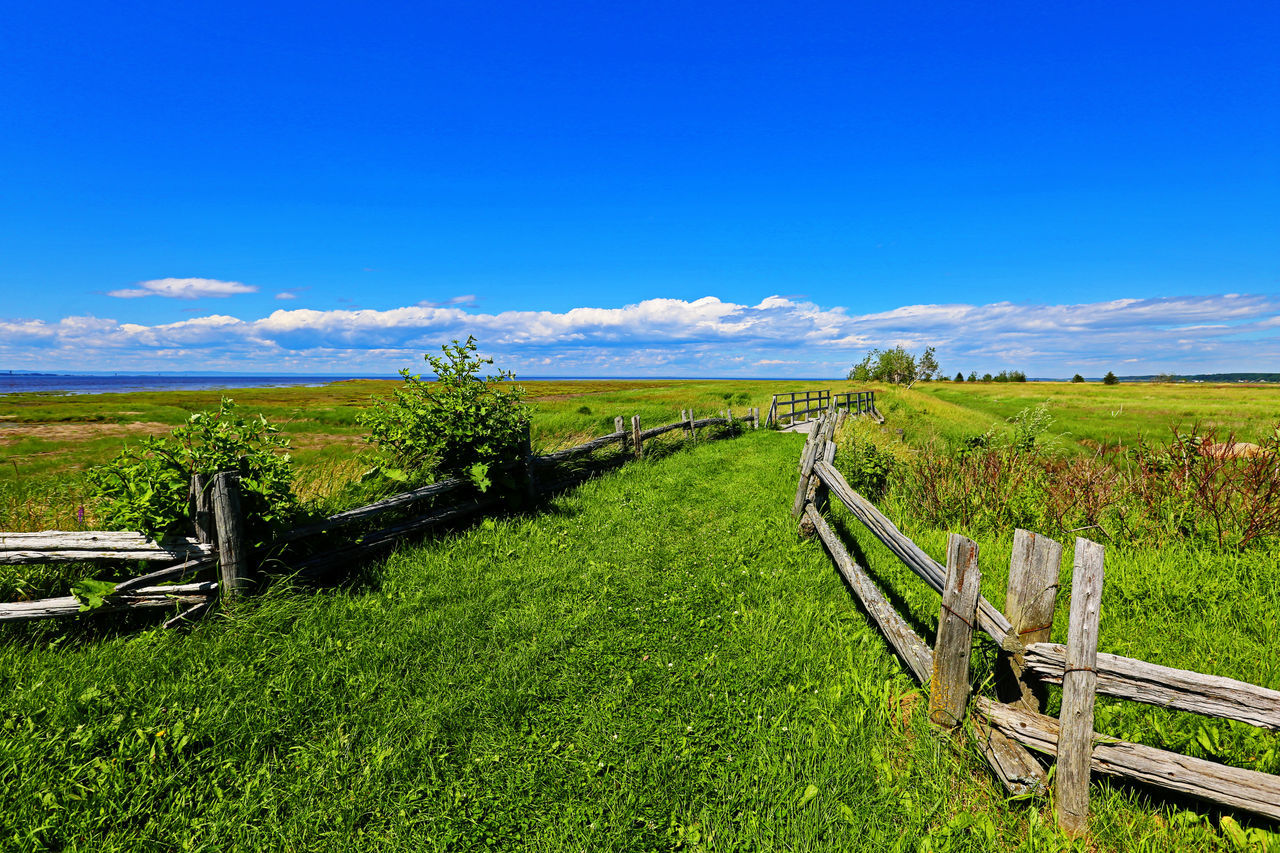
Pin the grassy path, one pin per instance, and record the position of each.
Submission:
(655, 662)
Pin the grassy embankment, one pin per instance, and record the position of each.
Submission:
(653, 662)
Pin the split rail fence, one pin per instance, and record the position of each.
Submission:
(1013, 731)
(220, 547)
(798, 406)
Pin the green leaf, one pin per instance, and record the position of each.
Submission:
(92, 593)
(809, 793)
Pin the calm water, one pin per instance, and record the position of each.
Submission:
(72, 384)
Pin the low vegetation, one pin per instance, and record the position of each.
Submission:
(656, 661)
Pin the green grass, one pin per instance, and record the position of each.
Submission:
(654, 662)
(1088, 417)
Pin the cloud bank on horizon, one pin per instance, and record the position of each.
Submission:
(779, 336)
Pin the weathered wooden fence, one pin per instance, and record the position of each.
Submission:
(220, 543)
(1013, 730)
(798, 406)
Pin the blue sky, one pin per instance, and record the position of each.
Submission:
(675, 189)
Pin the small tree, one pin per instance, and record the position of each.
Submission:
(1110, 379)
(896, 366)
(959, 376)
(973, 376)
(464, 424)
(1077, 378)
(986, 377)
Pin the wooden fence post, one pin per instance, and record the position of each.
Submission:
(949, 685)
(1079, 687)
(619, 427)
(693, 432)
(773, 408)
(201, 517)
(755, 417)
(636, 441)
(684, 419)
(228, 522)
(531, 477)
(812, 450)
(1029, 604)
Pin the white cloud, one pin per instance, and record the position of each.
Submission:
(185, 288)
(285, 294)
(707, 336)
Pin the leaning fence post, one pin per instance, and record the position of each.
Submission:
(1029, 604)
(636, 441)
(228, 522)
(201, 517)
(812, 448)
(693, 431)
(1079, 687)
(619, 427)
(949, 684)
(531, 477)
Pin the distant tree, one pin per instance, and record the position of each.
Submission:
(986, 377)
(959, 376)
(1017, 376)
(896, 366)
(1077, 378)
(1164, 377)
(1110, 379)
(973, 376)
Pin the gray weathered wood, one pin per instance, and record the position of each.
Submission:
(24, 558)
(581, 449)
(198, 503)
(1079, 682)
(990, 620)
(813, 449)
(637, 440)
(1178, 689)
(1029, 604)
(1248, 790)
(773, 412)
(228, 523)
(619, 425)
(167, 573)
(69, 605)
(654, 432)
(1013, 765)
(391, 504)
(949, 686)
(913, 651)
(530, 474)
(67, 546)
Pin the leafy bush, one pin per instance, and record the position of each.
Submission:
(464, 424)
(146, 487)
(866, 458)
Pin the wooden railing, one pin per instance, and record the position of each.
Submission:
(799, 406)
(1012, 732)
(220, 544)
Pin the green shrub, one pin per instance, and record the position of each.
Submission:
(463, 424)
(146, 487)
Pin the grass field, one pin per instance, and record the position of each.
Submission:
(653, 662)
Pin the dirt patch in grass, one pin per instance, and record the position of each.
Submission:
(12, 434)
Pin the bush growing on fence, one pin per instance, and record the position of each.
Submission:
(464, 424)
(146, 487)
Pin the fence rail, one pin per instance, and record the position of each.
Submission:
(1011, 734)
(220, 544)
(787, 405)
